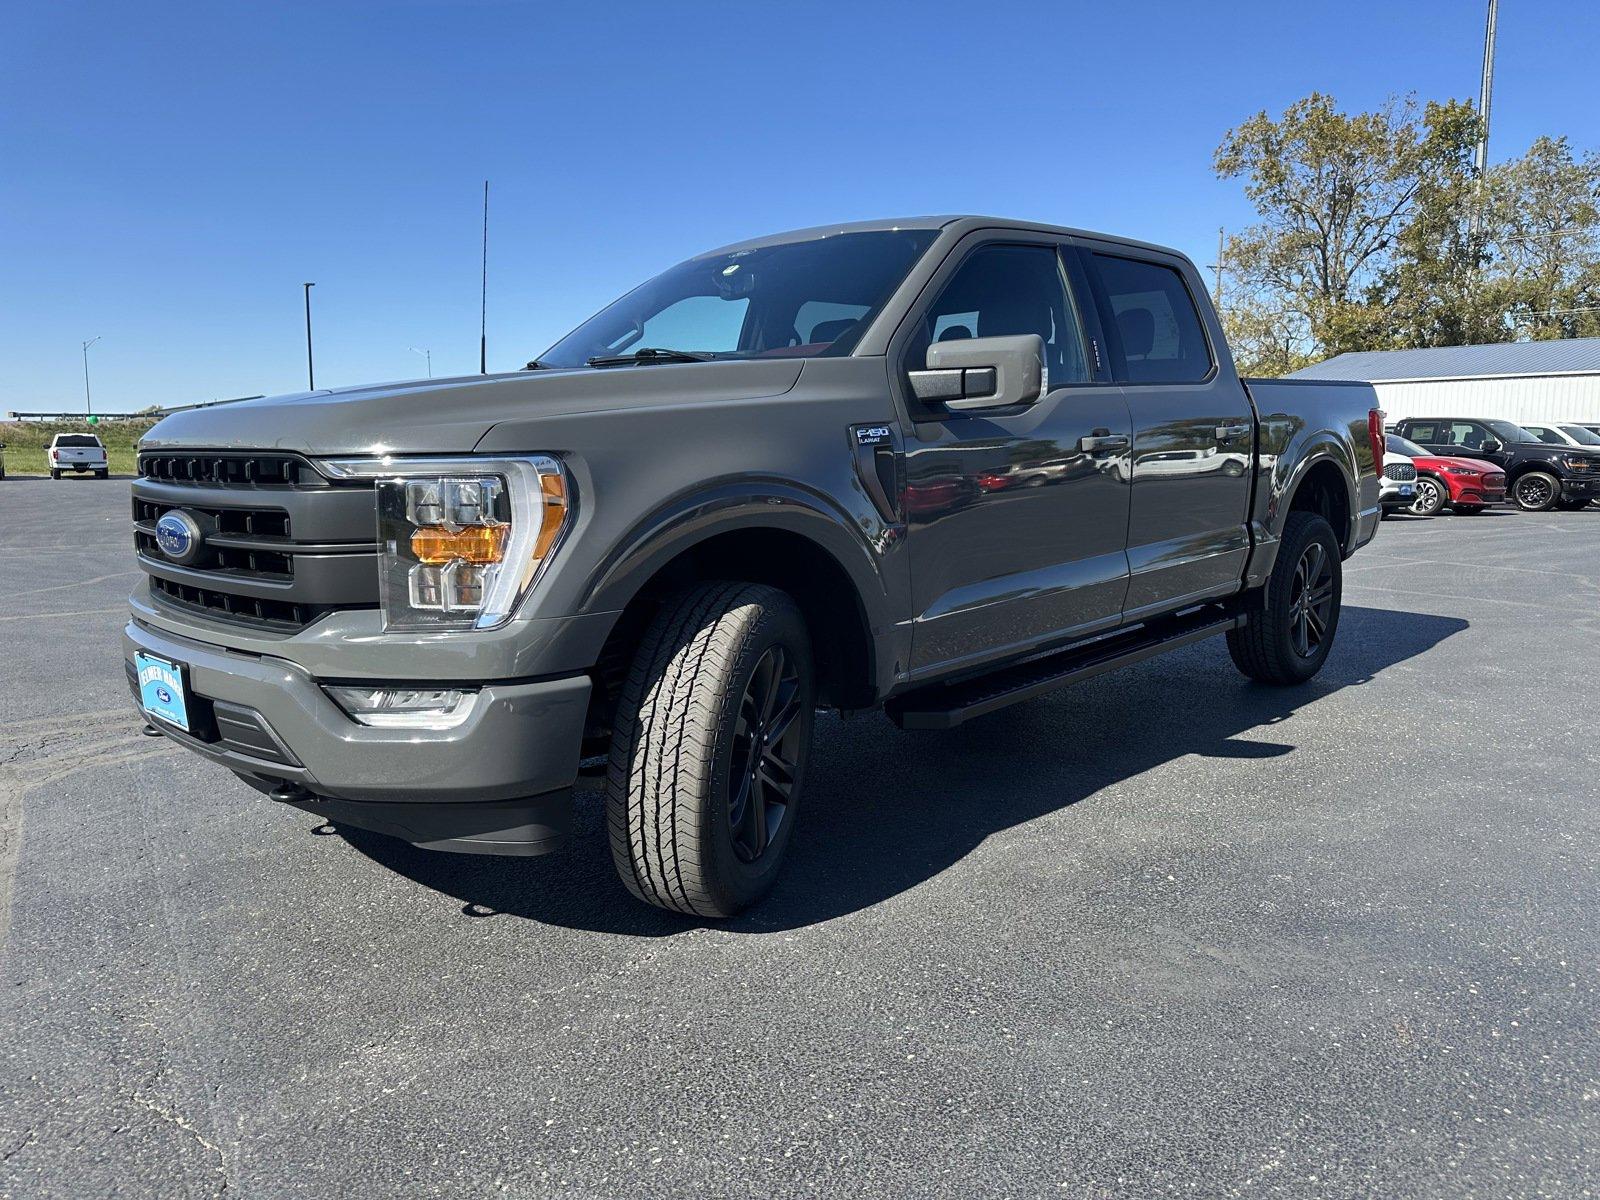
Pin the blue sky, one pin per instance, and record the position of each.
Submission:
(173, 172)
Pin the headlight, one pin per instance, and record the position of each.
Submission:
(461, 541)
(1462, 471)
(1578, 464)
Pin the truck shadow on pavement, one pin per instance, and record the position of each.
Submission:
(887, 810)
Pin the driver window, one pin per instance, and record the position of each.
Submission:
(1006, 290)
(1466, 435)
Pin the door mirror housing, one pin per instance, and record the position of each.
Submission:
(986, 372)
(1490, 446)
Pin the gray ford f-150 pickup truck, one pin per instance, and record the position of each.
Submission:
(935, 466)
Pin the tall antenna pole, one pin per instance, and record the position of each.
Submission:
(311, 370)
(483, 299)
(1486, 93)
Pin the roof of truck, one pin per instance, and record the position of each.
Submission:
(968, 221)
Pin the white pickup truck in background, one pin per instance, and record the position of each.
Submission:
(77, 452)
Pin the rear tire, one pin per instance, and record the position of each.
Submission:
(1536, 491)
(102, 474)
(54, 474)
(1286, 639)
(708, 756)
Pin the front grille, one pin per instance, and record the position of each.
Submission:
(1400, 471)
(283, 614)
(1494, 481)
(282, 545)
(231, 470)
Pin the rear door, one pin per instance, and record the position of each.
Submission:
(1017, 525)
(1188, 525)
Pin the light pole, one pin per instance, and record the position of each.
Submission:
(427, 354)
(311, 371)
(88, 406)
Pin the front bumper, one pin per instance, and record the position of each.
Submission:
(1580, 488)
(499, 783)
(1392, 494)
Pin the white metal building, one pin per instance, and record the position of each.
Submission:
(1514, 381)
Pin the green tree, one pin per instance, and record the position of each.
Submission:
(1544, 216)
(1334, 191)
(1376, 232)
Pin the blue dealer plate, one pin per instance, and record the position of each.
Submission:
(161, 689)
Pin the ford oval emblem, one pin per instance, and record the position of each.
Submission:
(178, 535)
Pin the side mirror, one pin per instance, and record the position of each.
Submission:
(987, 372)
(1490, 446)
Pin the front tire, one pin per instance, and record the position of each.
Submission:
(708, 756)
(1287, 638)
(1536, 491)
(1432, 496)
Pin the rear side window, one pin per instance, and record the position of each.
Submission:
(1422, 431)
(1162, 338)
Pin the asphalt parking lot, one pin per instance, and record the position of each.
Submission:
(1165, 933)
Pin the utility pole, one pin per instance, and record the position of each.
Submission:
(1221, 253)
(427, 354)
(88, 406)
(311, 370)
(1480, 157)
(1486, 92)
(483, 298)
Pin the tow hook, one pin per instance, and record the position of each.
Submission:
(289, 793)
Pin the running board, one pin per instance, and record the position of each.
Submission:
(945, 705)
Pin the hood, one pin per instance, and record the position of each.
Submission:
(1440, 461)
(450, 416)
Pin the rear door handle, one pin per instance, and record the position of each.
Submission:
(1226, 433)
(1098, 445)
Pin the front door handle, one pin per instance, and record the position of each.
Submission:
(1100, 444)
(1226, 433)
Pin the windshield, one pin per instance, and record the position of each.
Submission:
(793, 300)
(1582, 436)
(1507, 432)
(1399, 445)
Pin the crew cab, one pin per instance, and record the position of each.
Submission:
(1538, 476)
(933, 466)
(1467, 485)
(79, 453)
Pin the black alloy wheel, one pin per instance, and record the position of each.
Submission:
(1311, 600)
(1536, 491)
(761, 773)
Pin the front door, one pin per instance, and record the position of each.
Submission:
(1017, 524)
(1193, 433)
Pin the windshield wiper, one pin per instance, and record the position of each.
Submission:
(650, 354)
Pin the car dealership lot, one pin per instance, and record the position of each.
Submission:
(1166, 932)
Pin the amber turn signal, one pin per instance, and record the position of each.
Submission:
(476, 544)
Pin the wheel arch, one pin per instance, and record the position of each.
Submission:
(780, 535)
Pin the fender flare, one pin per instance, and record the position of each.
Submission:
(725, 506)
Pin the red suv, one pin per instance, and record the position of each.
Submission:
(1468, 485)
